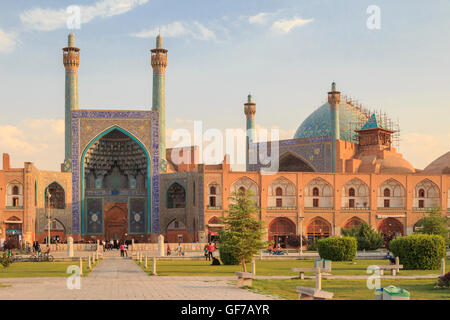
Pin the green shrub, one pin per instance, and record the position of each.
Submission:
(312, 246)
(419, 251)
(367, 238)
(337, 248)
(444, 281)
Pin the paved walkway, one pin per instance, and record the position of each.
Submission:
(117, 278)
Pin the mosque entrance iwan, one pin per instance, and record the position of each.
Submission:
(115, 168)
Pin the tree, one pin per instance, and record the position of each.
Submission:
(368, 238)
(294, 241)
(5, 260)
(435, 223)
(241, 237)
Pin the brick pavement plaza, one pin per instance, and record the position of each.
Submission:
(118, 278)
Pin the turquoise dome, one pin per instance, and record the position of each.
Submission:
(318, 123)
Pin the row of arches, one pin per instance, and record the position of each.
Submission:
(55, 196)
(318, 228)
(281, 228)
(319, 193)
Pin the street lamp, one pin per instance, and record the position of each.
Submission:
(301, 234)
(48, 216)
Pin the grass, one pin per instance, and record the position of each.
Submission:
(268, 268)
(40, 269)
(351, 289)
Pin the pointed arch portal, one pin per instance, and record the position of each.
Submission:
(115, 174)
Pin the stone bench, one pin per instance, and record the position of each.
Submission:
(393, 267)
(306, 293)
(301, 271)
(244, 279)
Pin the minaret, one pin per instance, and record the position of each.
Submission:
(249, 110)
(334, 98)
(71, 60)
(159, 64)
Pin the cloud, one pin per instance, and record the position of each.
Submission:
(287, 25)
(421, 149)
(53, 19)
(40, 141)
(179, 29)
(8, 41)
(260, 18)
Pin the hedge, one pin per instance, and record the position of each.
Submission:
(419, 251)
(337, 248)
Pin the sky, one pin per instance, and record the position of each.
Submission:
(285, 53)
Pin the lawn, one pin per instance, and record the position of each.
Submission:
(268, 268)
(40, 269)
(351, 289)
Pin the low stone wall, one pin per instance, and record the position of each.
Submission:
(76, 247)
(173, 246)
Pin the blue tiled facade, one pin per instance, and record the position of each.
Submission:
(85, 128)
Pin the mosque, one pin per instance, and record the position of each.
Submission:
(118, 179)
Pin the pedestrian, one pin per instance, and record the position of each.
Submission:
(210, 251)
(205, 252)
(179, 249)
(125, 250)
(121, 250)
(169, 251)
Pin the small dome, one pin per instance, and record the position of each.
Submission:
(396, 164)
(439, 166)
(319, 124)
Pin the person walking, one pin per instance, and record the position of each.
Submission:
(169, 251)
(125, 250)
(179, 249)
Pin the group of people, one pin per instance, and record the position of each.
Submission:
(111, 244)
(208, 250)
(179, 250)
(276, 249)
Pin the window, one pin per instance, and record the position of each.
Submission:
(212, 201)
(387, 192)
(15, 202)
(15, 190)
(176, 196)
(242, 189)
(316, 192)
(57, 196)
(387, 203)
(351, 192)
(279, 202)
(421, 193)
(351, 203)
(177, 224)
(315, 203)
(212, 190)
(279, 192)
(421, 203)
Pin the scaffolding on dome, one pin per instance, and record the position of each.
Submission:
(383, 120)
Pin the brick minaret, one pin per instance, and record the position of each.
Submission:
(334, 98)
(71, 60)
(249, 110)
(159, 64)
